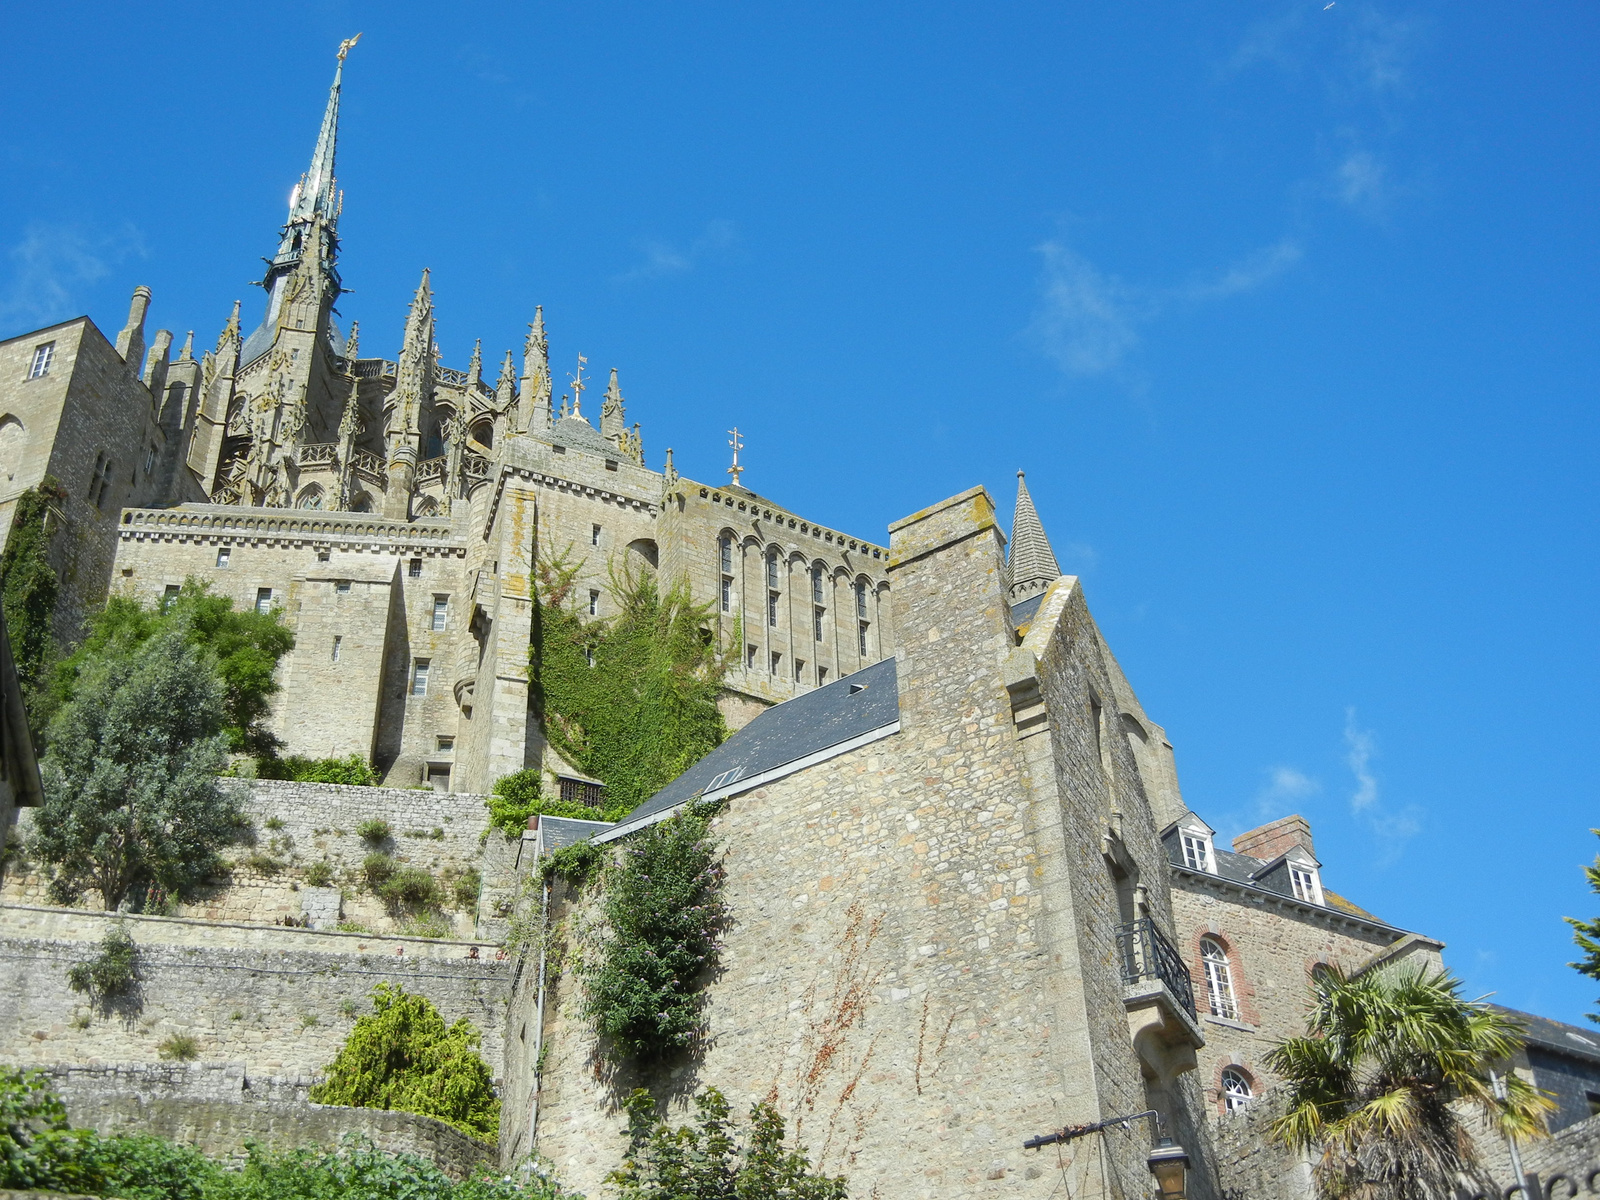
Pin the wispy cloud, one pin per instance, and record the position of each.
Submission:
(665, 258)
(47, 273)
(1088, 320)
(1391, 829)
(1285, 787)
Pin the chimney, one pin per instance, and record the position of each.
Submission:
(130, 342)
(1268, 841)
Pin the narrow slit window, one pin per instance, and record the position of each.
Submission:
(594, 603)
(861, 639)
(750, 653)
(772, 609)
(799, 670)
(338, 641)
(816, 623)
(816, 585)
(861, 599)
(727, 556)
(777, 663)
(594, 535)
(419, 677)
(727, 593)
(772, 570)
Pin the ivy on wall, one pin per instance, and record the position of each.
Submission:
(518, 796)
(30, 588)
(630, 700)
(663, 910)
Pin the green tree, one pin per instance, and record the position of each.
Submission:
(30, 588)
(131, 794)
(705, 1161)
(243, 648)
(402, 1056)
(663, 906)
(1587, 933)
(631, 700)
(1376, 1081)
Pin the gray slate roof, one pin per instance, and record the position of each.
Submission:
(576, 432)
(1574, 1040)
(809, 724)
(1023, 611)
(557, 832)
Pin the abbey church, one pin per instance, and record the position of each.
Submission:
(395, 509)
(969, 901)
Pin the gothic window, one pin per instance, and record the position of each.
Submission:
(419, 677)
(1236, 1090)
(483, 434)
(1219, 979)
(727, 593)
(772, 609)
(816, 585)
(816, 623)
(12, 437)
(441, 610)
(861, 639)
(861, 600)
(772, 569)
(310, 498)
(40, 366)
(726, 549)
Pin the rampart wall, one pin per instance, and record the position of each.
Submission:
(218, 1107)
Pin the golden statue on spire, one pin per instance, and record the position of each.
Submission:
(345, 46)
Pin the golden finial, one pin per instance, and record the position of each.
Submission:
(344, 47)
(578, 384)
(736, 470)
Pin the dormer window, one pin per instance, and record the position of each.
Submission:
(1303, 879)
(1196, 851)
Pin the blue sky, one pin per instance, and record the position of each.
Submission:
(1287, 310)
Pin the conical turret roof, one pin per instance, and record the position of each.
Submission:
(1033, 564)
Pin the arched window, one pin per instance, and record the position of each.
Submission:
(1236, 1091)
(310, 498)
(483, 434)
(1219, 979)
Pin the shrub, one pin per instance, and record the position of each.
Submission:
(374, 829)
(428, 925)
(353, 770)
(111, 973)
(706, 1159)
(320, 874)
(572, 863)
(378, 868)
(664, 906)
(273, 823)
(402, 1056)
(466, 887)
(180, 1046)
(263, 864)
(518, 796)
(412, 888)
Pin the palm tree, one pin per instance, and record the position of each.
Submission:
(1390, 1061)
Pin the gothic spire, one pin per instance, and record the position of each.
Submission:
(505, 388)
(1033, 563)
(533, 409)
(314, 195)
(475, 367)
(613, 422)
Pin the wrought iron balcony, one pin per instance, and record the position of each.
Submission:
(1147, 954)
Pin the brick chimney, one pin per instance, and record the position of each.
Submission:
(1275, 838)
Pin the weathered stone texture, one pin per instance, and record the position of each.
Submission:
(217, 1108)
(278, 1000)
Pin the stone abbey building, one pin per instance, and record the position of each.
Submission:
(969, 901)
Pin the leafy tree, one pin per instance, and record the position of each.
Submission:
(663, 905)
(1587, 933)
(706, 1162)
(519, 795)
(631, 700)
(131, 794)
(1375, 1081)
(243, 648)
(402, 1056)
(31, 587)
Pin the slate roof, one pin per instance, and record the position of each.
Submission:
(1023, 611)
(1573, 1040)
(1238, 869)
(575, 431)
(556, 832)
(782, 737)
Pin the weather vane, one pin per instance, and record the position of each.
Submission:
(736, 470)
(577, 387)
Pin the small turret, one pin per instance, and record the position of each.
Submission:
(1032, 564)
(130, 342)
(533, 408)
(613, 421)
(475, 367)
(505, 388)
(187, 353)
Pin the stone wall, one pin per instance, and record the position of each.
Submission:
(446, 833)
(281, 1001)
(217, 1108)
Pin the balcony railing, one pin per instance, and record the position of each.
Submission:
(1147, 954)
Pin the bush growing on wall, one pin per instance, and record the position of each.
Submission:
(30, 590)
(112, 972)
(353, 770)
(519, 795)
(402, 1056)
(663, 908)
(631, 700)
